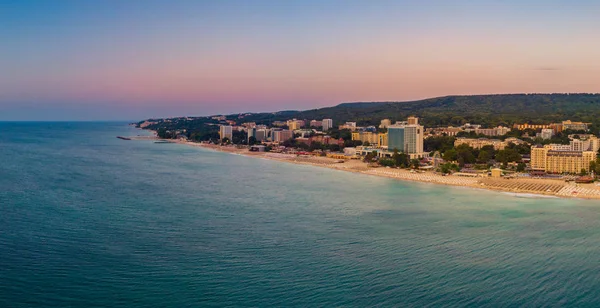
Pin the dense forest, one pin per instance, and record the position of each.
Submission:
(488, 110)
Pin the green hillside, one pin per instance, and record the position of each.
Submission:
(489, 110)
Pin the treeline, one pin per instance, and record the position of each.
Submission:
(487, 110)
(464, 154)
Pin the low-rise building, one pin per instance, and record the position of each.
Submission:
(478, 143)
(370, 137)
(496, 131)
(348, 125)
(315, 123)
(570, 125)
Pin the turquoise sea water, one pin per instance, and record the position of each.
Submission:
(88, 220)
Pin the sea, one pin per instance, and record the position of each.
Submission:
(89, 220)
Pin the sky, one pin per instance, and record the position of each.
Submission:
(136, 59)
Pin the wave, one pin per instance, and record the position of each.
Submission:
(528, 195)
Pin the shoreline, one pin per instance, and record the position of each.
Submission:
(541, 188)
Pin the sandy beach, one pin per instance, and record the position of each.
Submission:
(546, 187)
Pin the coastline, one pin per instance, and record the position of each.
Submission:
(543, 188)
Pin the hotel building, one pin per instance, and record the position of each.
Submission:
(556, 127)
(558, 158)
(251, 133)
(407, 138)
(348, 125)
(382, 140)
(327, 124)
(374, 139)
(554, 161)
(370, 137)
(226, 131)
(282, 135)
(480, 143)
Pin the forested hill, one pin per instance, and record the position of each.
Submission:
(489, 110)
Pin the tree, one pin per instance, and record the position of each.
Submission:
(521, 167)
(450, 155)
(400, 159)
(239, 137)
(484, 156)
(508, 155)
(438, 143)
(346, 134)
(366, 143)
(386, 162)
(335, 147)
(465, 154)
(415, 163)
(370, 156)
(593, 166)
(448, 167)
(252, 140)
(316, 146)
(490, 149)
(352, 143)
(225, 141)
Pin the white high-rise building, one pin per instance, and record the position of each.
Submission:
(251, 133)
(262, 134)
(327, 124)
(413, 139)
(226, 131)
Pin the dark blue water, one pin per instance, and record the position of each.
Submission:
(88, 220)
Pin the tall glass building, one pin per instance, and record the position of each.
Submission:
(396, 138)
(406, 138)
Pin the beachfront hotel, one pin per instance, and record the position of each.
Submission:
(559, 158)
(407, 138)
(374, 139)
(370, 137)
(282, 135)
(226, 131)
